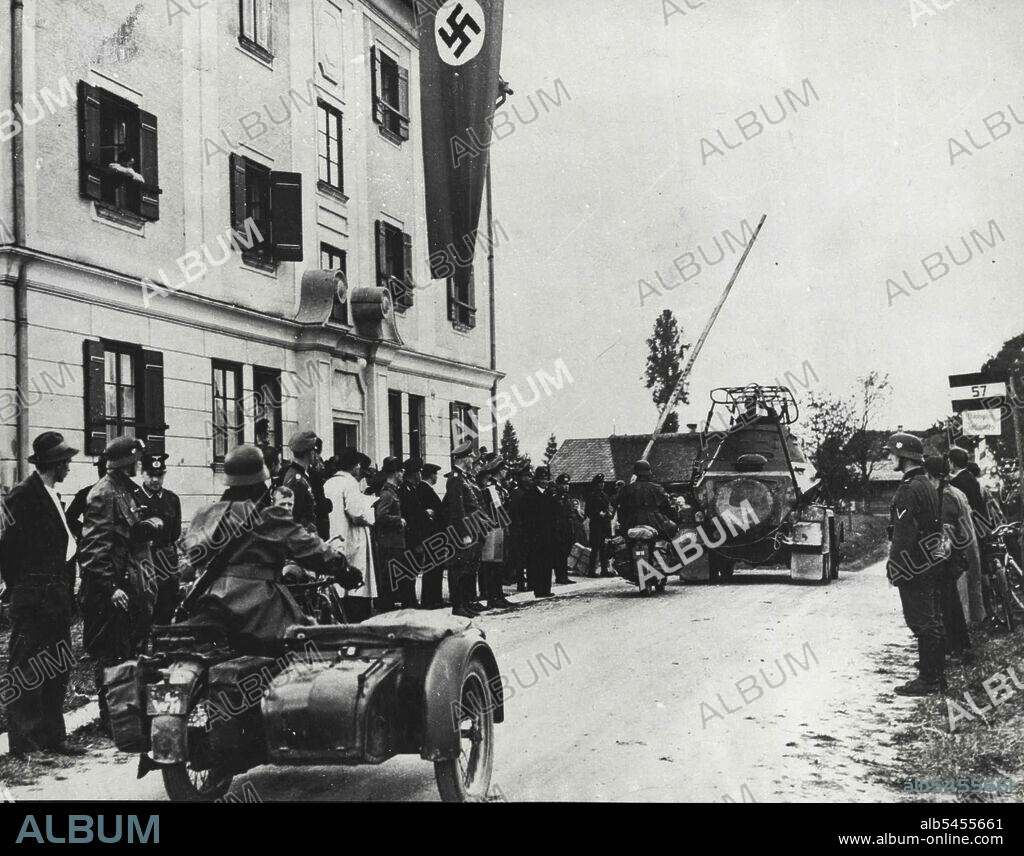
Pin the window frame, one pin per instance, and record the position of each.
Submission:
(119, 422)
(390, 112)
(260, 408)
(394, 247)
(329, 113)
(235, 369)
(258, 10)
(462, 306)
(339, 309)
(467, 415)
(417, 425)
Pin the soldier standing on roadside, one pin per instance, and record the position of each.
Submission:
(297, 476)
(118, 589)
(460, 504)
(915, 524)
(160, 502)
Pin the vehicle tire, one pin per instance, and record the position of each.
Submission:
(184, 783)
(467, 778)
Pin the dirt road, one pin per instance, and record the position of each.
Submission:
(761, 690)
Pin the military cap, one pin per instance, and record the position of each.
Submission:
(244, 466)
(303, 442)
(154, 464)
(598, 478)
(430, 469)
(463, 450)
(905, 445)
(413, 465)
(390, 465)
(563, 478)
(50, 448)
(122, 451)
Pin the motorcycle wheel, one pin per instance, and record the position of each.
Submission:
(184, 783)
(467, 778)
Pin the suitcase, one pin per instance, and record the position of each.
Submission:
(579, 560)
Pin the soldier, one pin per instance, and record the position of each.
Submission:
(164, 504)
(118, 589)
(494, 500)
(599, 515)
(563, 530)
(540, 510)
(296, 476)
(389, 529)
(460, 504)
(433, 578)
(915, 520)
(36, 548)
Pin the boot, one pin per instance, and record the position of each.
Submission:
(932, 659)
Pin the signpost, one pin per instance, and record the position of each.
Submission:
(980, 399)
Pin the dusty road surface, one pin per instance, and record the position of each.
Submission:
(761, 689)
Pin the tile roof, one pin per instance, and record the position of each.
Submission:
(671, 459)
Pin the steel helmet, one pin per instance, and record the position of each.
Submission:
(905, 445)
(642, 468)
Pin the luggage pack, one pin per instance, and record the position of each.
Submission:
(579, 559)
(126, 703)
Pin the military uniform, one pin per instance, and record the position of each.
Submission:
(460, 503)
(165, 505)
(305, 511)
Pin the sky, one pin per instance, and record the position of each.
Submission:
(857, 185)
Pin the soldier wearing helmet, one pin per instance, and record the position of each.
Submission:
(645, 503)
(242, 544)
(915, 526)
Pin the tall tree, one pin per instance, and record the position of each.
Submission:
(863, 447)
(1004, 447)
(826, 432)
(550, 450)
(509, 443)
(665, 364)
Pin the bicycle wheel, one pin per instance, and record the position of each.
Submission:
(1015, 581)
(997, 594)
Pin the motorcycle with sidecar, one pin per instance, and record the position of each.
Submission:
(405, 682)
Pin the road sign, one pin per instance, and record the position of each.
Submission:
(980, 391)
(979, 423)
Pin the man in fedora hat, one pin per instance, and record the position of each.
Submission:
(118, 585)
(297, 476)
(540, 513)
(36, 548)
(160, 502)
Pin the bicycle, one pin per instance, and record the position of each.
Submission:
(1002, 580)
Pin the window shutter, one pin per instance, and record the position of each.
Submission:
(286, 216)
(378, 88)
(470, 318)
(236, 165)
(453, 307)
(452, 416)
(152, 416)
(149, 166)
(382, 253)
(90, 166)
(403, 103)
(94, 374)
(406, 298)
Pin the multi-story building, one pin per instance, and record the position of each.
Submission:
(174, 173)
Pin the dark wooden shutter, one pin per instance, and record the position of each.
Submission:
(381, 233)
(149, 166)
(407, 298)
(452, 415)
(453, 308)
(470, 319)
(286, 216)
(378, 88)
(236, 166)
(90, 160)
(403, 103)
(152, 416)
(94, 374)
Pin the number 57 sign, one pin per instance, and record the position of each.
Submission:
(979, 399)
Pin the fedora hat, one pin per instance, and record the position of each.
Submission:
(50, 448)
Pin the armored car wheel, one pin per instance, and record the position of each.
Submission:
(184, 782)
(467, 778)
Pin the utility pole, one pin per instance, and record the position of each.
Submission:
(1016, 390)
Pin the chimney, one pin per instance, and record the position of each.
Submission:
(691, 427)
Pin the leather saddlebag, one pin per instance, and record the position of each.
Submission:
(126, 702)
(236, 689)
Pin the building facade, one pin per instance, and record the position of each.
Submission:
(175, 175)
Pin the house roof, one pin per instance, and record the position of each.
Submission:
(671, 458)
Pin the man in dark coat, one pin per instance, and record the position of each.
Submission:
(433, 578)
(645, 503)
(460, 507)
(563, 530)
(317, 475)
(297, 476)
(118, 586)
(518, 538)
(540, 512)
(389, 530)
(36, 548)
(160, 502)
(599, 516)
(914, 518)
(417, 521)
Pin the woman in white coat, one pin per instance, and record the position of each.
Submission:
(352, 518)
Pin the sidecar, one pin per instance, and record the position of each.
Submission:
(402, 683)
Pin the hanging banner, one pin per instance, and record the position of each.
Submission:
(460, 54)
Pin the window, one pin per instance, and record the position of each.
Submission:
(345, 437)
(266, 411)
(117, 153)
(329, 148)
(462, 299)
(464, 424)
(228, 421)
(395, 422)
(394, 264)
(390, 96)
(254, 29)
(331, 258)
(266, 212)
(124, 395)
(417, 425)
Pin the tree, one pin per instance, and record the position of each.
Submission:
(863, 448)
(826, 433)
(550, 450)
(509, 444)
(665, 365)
(1004, 447)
